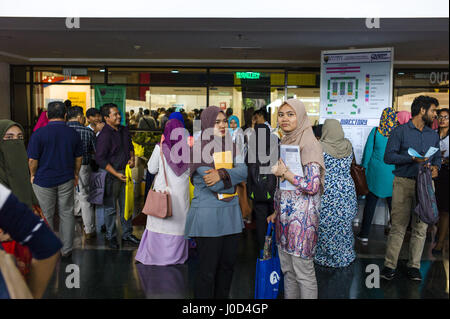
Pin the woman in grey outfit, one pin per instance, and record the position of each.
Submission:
(214, 219)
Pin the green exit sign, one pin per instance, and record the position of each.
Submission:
(248, 75)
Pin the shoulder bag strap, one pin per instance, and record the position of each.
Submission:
(375, 137)
(164, 165)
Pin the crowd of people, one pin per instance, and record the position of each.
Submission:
(70, 160)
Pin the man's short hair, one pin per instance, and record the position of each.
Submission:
(74, 111)
(146, 112)
(56, 110)
(422, 102)
(106, 109)
(92, 112)
(443, 110)
(68, 103)
(229, 112)
(262, 112)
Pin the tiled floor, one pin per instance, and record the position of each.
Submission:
(106, 273)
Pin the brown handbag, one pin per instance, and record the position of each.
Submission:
(158, 204)
(244, 202)
(358, 174)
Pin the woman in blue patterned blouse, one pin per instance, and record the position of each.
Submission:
(339, 206)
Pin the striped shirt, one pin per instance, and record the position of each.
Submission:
(87, 138)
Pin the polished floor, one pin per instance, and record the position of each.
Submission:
(106, 273)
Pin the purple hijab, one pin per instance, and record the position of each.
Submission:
(183, 148)
(208, 121)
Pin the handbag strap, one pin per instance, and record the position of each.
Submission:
(164, 168)
(164, 165)
(375, 138)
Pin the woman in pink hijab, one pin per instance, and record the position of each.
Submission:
(42, 121)
(403, 117)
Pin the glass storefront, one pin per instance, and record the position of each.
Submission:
(243, 90)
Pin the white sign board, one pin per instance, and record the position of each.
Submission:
(355, 83)
(355, 87)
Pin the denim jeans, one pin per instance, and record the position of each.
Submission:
(100, 217)
(369, 211)
(109, 208)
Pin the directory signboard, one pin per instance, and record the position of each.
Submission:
(355, 83)
(355, 88)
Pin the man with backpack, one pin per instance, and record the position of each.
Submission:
(418, 135)
(261, 183)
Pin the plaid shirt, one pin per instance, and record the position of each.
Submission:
(87, 138)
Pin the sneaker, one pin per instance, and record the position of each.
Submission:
(113, 244)
(387, 273)
(414, 274)
(90, 235)
(363, 240)
(67, 257)
(131, 239)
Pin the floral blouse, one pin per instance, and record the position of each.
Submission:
(297, 219)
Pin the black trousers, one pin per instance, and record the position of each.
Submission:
(217, 256)
(369, 211)
(261, 211)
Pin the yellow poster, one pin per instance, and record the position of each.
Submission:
(223, 160)
(78, 99)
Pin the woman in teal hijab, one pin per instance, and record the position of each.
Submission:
(237, 134)
(233, 124)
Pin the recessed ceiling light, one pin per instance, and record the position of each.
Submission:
(175, 71)
(101, 70)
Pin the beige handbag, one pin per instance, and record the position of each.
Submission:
(15, 283)
(158, 204)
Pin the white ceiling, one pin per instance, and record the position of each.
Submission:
(269, 42)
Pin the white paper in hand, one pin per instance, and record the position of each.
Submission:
(290, 154)
(431, 151)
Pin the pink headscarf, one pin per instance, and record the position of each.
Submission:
(403, 117)
(435, 125)
(42, 121)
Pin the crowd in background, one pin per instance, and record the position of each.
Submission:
(75, 159)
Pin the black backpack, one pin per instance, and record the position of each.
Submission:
(260, 187)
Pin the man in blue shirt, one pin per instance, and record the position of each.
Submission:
(55, 155)
(418, 135)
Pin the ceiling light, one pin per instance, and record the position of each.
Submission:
(175, 71)
(101, 70)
